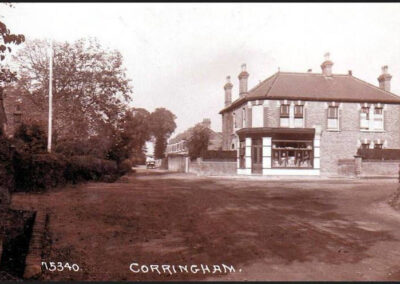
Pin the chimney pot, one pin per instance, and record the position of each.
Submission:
(309, 70)
(350, 73)
(243, 76)
(228, 91)
(326, 66)
(384, 79)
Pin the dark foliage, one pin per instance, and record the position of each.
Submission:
(30, 138)
(162, 124)
(198, 141)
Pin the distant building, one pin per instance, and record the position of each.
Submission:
(178, 144)
(19, 107)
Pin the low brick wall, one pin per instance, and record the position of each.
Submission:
(212, 167)
(369, 168)
(380, 169)
(346, 167)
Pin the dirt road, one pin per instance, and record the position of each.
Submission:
(266, 230)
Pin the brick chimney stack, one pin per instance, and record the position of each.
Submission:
(228, 91)
(326, 66)
(243, 76)
(384, 79)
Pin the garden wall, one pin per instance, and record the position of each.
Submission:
(368, 168)
(201, 167)
(380, 169)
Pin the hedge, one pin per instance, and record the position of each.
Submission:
(41, 171)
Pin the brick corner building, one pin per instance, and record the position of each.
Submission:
(304, 123)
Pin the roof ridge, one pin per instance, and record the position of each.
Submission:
(375, 87)
(260, 83)
(273, 83)
(309, 73)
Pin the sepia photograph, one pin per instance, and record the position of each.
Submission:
(199, 142)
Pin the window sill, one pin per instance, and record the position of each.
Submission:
(374, 130)
(333, 130)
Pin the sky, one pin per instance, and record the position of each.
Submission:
(178, 55)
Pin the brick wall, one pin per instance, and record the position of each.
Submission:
(212, 167)
(380, 169)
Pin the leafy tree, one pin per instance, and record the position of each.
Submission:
(7, 39)
(198, 140)
(90, 87)
(130, 135)
(162, 125)
(30, 138)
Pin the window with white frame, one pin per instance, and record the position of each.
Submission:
(298, 116)
(333, 117)
(364, 117)
(378, 118)
(284, 115)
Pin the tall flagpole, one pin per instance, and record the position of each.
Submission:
(50, 98)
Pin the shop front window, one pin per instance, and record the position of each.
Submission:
(292, 154)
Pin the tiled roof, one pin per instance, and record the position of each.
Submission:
(316, 87)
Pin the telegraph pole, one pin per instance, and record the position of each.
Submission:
(49, 136)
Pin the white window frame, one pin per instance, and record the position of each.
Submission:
(331, 120)
(284, 121)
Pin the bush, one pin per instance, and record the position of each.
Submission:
(42, 171)
(6, 163)
(39, 171)
(83, 168)
(125, 167)
(30, 138)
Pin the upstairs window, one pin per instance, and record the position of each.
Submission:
(285, 109)
(333, 117)
(378, 118)
(284, 115)
(364, 118)
(298, 111)
(298, 116)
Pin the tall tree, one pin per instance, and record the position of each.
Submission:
(90, 86)
(7, 40)
(198, 140)
(162, 124)
(130, 135)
